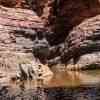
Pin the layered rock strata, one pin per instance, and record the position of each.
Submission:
(19, 32)
(83, 43)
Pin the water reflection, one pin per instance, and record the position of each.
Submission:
(62, 79)
(74, 78)
(64, 85)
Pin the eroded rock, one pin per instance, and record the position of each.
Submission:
(83, 43)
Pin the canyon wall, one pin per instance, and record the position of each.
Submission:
(59, 39)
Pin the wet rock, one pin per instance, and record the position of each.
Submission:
(63, 17)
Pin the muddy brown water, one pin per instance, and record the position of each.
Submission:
(64, 85)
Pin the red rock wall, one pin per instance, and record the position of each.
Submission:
(70, 13)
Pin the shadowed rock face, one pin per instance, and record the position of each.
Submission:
(9, 3)
(61, 18)
(71, 13)
(83, 43)
(38, 5)
(43, 8)
(15, 3)
(78, 36)
(63, 15)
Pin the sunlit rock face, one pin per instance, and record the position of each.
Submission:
(18, 31)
